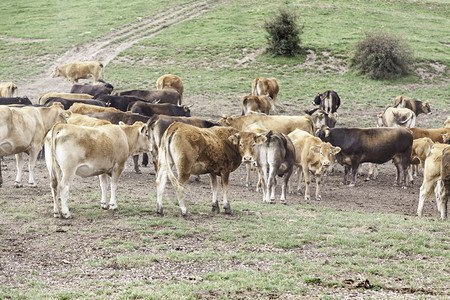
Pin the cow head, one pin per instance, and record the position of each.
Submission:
(446, 138)
(247, 142)
(187, 110)
(425, 107)
(56, 72)
(380, 122)
(323, 133)
(318, 99)
(326, 153)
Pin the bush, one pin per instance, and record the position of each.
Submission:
(382, 56)
(283, 34)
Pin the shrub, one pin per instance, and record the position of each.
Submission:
(283, 33)
(382, 56)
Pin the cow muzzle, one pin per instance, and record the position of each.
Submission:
(247, 159)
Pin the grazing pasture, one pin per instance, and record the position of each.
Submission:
(362, 242)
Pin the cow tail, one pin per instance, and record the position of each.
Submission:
(311, 123)
(255, 88)
(173, 179)
(54, 166)
(103, 71)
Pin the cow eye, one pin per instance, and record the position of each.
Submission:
(253, 145)
(240, 145)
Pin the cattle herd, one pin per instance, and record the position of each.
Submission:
(92, 131)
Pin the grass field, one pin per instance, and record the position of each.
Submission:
(281, 252)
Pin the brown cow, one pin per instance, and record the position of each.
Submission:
(259, 104)
(265, 86)
(431, 176)
(416, 106)
(434, 134)
(196, 151)
(396, 117)
(447, 123)
(82, 108)
(91, 151)
(71, 96)
(282, 124)
(23, 130)
(8, 89)
(420, 149)
(171, 81)
(79, 70)
(311, 155)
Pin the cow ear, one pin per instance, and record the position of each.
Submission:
(315, 148)
(143, 130)
(186, 108)
(66, 114)
(336, 150)
(234, 138)
(121, 123)
(260, 138)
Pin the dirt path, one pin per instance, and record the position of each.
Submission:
(108, 46)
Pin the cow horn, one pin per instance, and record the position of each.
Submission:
(327, 132)
(190, 105)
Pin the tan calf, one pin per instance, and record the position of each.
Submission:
(434, 134)
(82, 108)
(171, 81)
(91, 151)
(447, 123)
(259, 104)
(82, 120)
(8, 89)
(312, 155)
(265, 86)
(79, 70)
(71, 96)
(420, 149)
(416, 106)
(282, 124)
(23, 130)
(396, 117)
(431, 176)
(196, 151)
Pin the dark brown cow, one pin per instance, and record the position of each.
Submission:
(150, 109)
(95, 90)
(416, 106)
(67, 103)
(15, 100)
(162, 96)
(328, 101)
(374, 145)
(197, 151)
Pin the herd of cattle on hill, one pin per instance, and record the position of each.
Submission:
(93, 130)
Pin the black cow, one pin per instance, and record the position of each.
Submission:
(167, 95)
(117, 116)
(374, 145)
(67, 103)
(103, 88)
(15, 100)
(328, 101)
(150, 109)
(321, 118)
(120, 102)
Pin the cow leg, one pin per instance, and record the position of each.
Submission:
(410, 173)
(264, 177)
(1, 176)
(145, 159)
(444, 200)
(307, 183)
(182, 179)
(214, 187)
(247, 179)
(55, 194)
(226, 204)
(114, 182)
(354, 171)
(64, 187)
(346, 171)
(426, 189)
(31, 164)
(259, 184)
(161, 180)
(318, 183)
(284, 185)
(104, 182)
(136, 164)
(19, 166)
(271, 185)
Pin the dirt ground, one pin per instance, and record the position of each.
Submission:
(24, 249)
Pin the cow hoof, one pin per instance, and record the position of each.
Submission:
(160, 212)
(67, 216)
(104, 206)
(318, 198)
(113, 207)
(33, 185)
(215, 208)
(228, 211)
(367, 179)
(283, 202)
(351, 185)
(272, 202)
(57, 215)
(17, 184)
(138, 171)
(186, 216)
